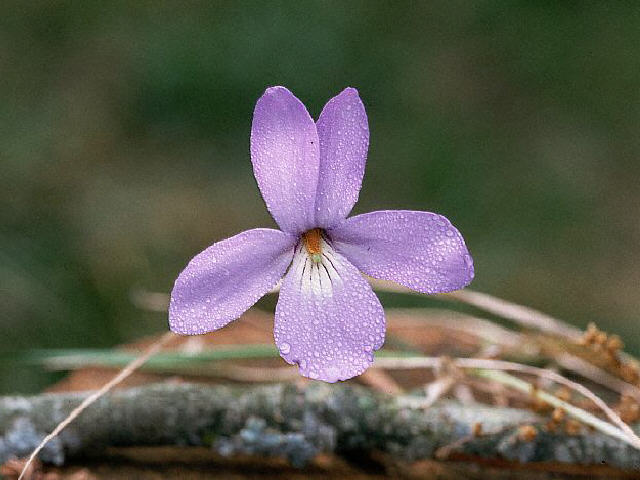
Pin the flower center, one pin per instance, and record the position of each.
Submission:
(315, 265)
(312, 242)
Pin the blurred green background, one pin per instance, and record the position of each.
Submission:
(124, 146)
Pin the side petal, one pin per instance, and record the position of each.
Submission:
(285, 153)
(419, 250)
(328, 320)
(344, 140)
(223, 281)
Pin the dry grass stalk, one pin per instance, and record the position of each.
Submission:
(489, 368)
(121, 376)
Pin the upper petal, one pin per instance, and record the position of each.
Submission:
(328, 320)
(419, 250)
(344, 139)
(285, 156)
(223, 281)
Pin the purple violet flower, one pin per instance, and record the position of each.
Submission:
(328, 321)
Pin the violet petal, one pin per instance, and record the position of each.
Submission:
(223, 281)
(343, 130)
(328, 320)
(419, 250)
(285, 156)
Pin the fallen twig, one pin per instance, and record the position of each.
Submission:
(305, 420)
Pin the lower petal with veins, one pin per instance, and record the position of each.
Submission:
(328, 320)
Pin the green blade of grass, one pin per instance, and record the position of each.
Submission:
(70, 359)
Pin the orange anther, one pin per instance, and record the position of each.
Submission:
(312, 242)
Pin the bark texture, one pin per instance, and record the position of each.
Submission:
(292, 422)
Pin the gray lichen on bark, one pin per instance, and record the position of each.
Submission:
(288, 421)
